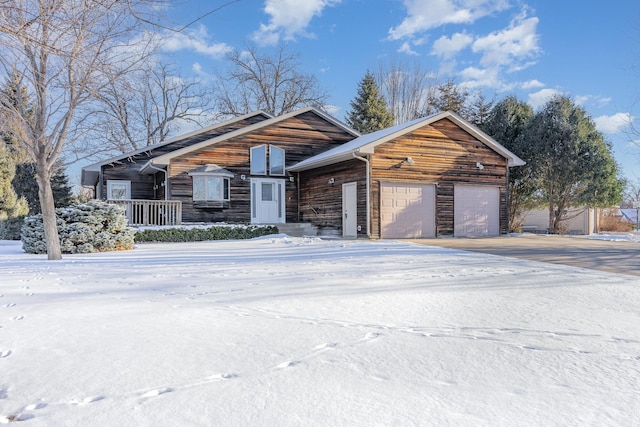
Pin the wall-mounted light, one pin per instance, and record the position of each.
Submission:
(331, 181)
(409, 161)
(479, 165)
(291, 179)
(243, 177)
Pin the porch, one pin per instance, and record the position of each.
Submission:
(151, 212)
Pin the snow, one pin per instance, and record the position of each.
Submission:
(308, 332)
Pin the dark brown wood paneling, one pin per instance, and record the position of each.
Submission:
(321, 202)
(301, 137)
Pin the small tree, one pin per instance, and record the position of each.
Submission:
(507, 123)
(369, 111)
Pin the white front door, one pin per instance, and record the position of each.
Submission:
(350, 210)
(267, 201)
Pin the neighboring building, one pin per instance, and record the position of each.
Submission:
(576, 221)
(435, 176)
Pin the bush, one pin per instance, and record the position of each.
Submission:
(94, 226)
(200, 234)
(613, 223)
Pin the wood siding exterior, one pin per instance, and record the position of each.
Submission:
(144, 186)
(443, 154)
(321, 201)
(301, 136)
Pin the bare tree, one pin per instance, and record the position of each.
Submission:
(145, 106)
(61, 49)
(272, 83)
(407, 89)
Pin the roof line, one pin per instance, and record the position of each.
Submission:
(164, 158)
(177, 138)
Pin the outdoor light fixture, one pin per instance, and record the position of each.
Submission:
(410, 161)
(243, 177)
(331, 181)
(479, 165)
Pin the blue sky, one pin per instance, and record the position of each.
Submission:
(582, 48)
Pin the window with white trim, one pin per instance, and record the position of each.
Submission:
(211, 183)
(276, 160)
(210, 188)
(259, 160)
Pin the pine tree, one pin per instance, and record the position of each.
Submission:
(26, 186)
(369, 110)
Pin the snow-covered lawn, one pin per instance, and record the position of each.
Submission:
(283, 331)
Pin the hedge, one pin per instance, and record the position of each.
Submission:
(201, 234)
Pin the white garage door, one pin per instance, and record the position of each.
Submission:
(476, 211)
(407, 211)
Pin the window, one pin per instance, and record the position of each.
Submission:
(259, 160)
(118, 189)
(211, 183)
(276, 160)
(210, 188)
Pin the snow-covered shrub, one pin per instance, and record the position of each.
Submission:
(94, 226)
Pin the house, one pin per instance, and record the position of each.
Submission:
(434, 176)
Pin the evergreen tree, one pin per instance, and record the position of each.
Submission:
(450, 97)
(369, 111)
(506, 123)
(26, 186)
(576, 166)
(11, 206)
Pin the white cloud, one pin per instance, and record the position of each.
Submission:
(476, 77)
(512, 46)
(196, 41)
(538, 99)
(613, 124)
(425, 15)
(406, 48)
(532, 84)
(288, 19)
(447, 47)
(599, 101)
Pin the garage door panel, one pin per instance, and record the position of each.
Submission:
(407, 210)
(476, 211)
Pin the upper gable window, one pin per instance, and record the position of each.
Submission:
(259, 160)
(276, 160)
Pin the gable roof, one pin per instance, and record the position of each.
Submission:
(164, 159)
(92, 171)
(366, 144)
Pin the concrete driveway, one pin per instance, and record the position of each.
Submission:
(613, 256)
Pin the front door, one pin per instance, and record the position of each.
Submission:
(267, 201)
(349, 210)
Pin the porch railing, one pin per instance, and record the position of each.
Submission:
(152, 212)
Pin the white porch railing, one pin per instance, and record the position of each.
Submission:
(152, 212)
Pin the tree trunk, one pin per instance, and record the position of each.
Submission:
(48, 208)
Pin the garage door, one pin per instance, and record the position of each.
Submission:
(476, 211)
(407, 211)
